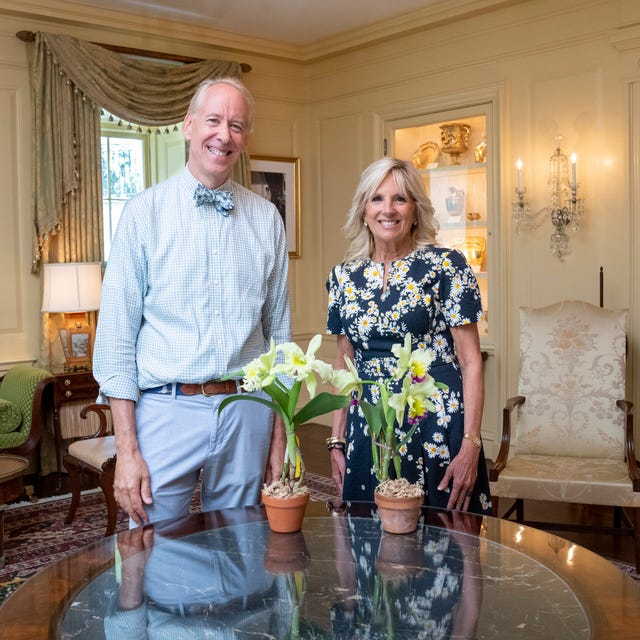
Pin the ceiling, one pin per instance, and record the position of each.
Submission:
(293, 22)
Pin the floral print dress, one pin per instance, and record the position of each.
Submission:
(427, 292)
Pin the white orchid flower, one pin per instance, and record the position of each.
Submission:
(403, 353)
(347, 380)
(260, 372)
(304, 366)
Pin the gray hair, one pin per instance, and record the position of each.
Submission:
(410, 185)
(196, 100)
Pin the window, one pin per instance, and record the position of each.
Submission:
(132, 160)
(125, 161)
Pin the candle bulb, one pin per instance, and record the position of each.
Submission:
(519, 175)
(574, 184)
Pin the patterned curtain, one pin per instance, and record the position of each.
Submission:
(72, 81)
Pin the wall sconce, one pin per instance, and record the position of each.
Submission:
(73, 289)
(565, 208)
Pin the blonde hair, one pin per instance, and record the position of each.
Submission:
(410, 185)
(196, 100)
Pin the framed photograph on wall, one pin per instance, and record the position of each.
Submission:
(278, 180)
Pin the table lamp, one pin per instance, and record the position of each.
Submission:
(73, 289)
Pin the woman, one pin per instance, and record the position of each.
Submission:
(395, 279)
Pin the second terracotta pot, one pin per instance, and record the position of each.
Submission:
(398, 515)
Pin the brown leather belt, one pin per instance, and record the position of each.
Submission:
(209, 388)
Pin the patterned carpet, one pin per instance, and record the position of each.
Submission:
(35, 534)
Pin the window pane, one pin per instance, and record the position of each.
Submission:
(126, 167)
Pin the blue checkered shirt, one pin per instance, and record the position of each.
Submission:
(189, 295)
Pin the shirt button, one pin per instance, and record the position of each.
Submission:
(216, 313)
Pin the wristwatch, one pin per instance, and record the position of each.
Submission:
(476, 440)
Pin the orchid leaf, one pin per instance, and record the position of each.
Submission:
(322, 403)
(294, 394)
(277, 395)
(267, 403)
(373, 416)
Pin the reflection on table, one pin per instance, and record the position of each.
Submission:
(226, 575)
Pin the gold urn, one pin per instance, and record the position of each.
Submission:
(455, 139)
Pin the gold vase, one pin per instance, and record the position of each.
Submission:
(455, 138)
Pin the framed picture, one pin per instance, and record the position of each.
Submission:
(278, 180)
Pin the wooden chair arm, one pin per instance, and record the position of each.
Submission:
(99, 410)
(505, 441)
(629, 445)
(41, 414)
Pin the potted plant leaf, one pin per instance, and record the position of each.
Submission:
(281, 374)
(409, 391)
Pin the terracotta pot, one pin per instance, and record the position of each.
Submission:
(398, 515)
(286, 553)
(285, 515)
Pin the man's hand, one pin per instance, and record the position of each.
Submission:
(132, 483)
(132, 486)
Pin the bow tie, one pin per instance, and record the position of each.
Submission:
(222, 200)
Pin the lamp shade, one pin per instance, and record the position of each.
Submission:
(72, 287)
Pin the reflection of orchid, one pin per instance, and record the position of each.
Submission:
(268, 372)
(414, 397)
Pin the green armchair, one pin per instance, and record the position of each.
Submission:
(26, 398)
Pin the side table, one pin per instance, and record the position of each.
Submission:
(11, 470)
(70, 386)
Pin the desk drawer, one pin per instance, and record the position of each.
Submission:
(75, 386)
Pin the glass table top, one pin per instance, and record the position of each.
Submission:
(340, 577)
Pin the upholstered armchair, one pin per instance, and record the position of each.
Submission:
(26, 403)
(568, 434)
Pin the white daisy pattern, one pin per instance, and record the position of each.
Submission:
(427, 293)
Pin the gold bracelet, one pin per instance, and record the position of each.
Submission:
(476, 440)
(334, 439)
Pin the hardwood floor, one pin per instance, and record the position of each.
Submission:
(616, 547)
(316, 458)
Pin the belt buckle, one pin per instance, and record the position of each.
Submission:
(204, 393)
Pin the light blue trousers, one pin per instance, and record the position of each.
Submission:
(181, 436)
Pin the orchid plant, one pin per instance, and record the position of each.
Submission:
(270, 372)
(414, 398)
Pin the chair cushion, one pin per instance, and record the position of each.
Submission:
(567, 479)
(10, 416)
(18, 386)
(94, 451)
(572, 373)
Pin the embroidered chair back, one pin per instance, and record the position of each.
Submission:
(572, 373)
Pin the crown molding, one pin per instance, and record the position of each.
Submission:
(626, 38)
(187, 34)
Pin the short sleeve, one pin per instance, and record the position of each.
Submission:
(334, 289)
(459, 291)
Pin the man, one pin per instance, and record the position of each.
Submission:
(195, 287)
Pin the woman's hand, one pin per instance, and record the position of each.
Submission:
(461, 474)
(338, 457)
(463, 469)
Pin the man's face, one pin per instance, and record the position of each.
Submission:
(217, 131)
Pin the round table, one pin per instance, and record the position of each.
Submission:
(11, 470)
(224, 574)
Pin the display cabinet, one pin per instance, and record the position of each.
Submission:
(452, 157)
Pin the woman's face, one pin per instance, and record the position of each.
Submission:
(390, 215)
